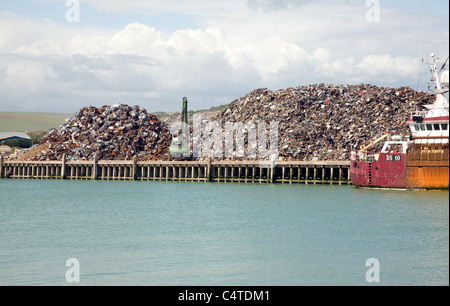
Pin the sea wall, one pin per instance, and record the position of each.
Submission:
(288, 172)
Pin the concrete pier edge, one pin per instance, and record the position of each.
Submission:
(286, 172)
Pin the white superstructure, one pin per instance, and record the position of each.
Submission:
(432, 126)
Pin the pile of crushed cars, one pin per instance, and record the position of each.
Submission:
(326, 122)
(117, 132)
(315, 122)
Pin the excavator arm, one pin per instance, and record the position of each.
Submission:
(370, 145)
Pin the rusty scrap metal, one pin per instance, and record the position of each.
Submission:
(117, 132)
(325, 121)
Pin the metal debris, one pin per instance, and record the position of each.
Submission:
(325, 122)
(316, 122)
(117, 132)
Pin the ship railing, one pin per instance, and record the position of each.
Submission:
(369, 158)
(364, 157)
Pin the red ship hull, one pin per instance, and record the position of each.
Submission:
(403, 171)
(388, 172)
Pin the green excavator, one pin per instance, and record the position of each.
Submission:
(180, 148)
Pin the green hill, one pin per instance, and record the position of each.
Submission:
(25, 122)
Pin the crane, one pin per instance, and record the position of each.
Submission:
(180, 145)
(370, 145)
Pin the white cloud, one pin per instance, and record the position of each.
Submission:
(27, 77)
(243, 45)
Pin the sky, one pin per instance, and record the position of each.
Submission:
(63, 55)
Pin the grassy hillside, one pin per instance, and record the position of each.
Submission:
(23, 122)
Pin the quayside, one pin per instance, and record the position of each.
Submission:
(312, 172)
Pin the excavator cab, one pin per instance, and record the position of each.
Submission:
(180, 146)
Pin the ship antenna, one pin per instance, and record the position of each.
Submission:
(418, 78)
(418, 82)
(443, 66)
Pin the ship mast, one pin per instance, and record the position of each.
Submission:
(440, 106)
(435, 75)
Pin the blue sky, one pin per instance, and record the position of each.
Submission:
(171, 20)
(153, 53)
(90, 16)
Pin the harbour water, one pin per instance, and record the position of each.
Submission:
(167, 233)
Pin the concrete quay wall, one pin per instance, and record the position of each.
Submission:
(287, 172)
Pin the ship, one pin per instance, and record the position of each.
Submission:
(418, 161)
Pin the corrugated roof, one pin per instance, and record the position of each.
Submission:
(12, 135)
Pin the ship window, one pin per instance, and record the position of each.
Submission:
(437, 127)
(417, 127)
(422, 127)
(444, 127)
(429, 127)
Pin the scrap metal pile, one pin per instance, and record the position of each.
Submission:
(325, 122)
(117, 132)
(315, 122)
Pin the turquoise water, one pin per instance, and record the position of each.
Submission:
(158, 233)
